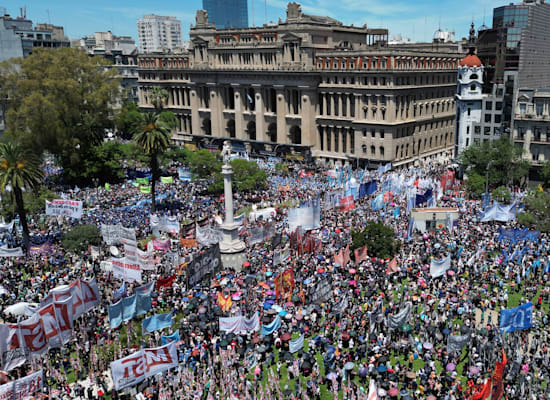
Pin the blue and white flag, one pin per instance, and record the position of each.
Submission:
(272, 327)
(174, 337)
(145, 289)
(120, 292)
(128, 308)
(439, 267)
(485, 200)
(515, 319)
(115, 314)
(143, 304)
(296, 344)
(378, 202)
(396, 212)
(156, 322)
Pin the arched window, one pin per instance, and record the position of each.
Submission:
(473, 76)
(381, 151)
(372, 150)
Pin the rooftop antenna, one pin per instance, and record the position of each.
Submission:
(25, 12)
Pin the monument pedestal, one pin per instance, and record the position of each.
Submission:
(231, 246)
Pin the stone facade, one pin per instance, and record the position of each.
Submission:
(310, 85)
(532, 124)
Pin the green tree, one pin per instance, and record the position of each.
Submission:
(177, 154)
(475, 185)
(500, 157)
(502, 195)
(19, 170)
(379, 239)
(537, 211)
(204, 164)
(128, 120)
(59, 101)
(104, 163)
(246, 176)
(80, 237)
(545, 174)
(153, 139)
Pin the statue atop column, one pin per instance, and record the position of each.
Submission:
(226, 153)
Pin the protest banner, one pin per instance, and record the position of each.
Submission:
(69, 208)
(208, 262)
(125, 269)
(23, 388)
(133, 369)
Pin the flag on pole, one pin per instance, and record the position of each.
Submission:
(373, 391)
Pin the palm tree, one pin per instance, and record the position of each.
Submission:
(19, 169)
(154, 138)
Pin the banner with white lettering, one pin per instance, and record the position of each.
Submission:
(208, 262)
(118, 234)
(68, 208)
(127, 270)
(14, 252)
(133, 369)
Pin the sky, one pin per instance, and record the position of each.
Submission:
(415, 19)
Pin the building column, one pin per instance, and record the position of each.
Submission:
(195, 119)
(239, 106)
(282, 134)
(308, 104)
(339, 97)
(348, 105)
(215, 112)
(260, 119)
(527, 142)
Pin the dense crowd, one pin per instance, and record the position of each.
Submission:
(348, 340)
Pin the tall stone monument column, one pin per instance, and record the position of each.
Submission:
(231, 246)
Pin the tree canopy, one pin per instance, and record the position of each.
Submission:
(500, 157)
(246, 176)
(60, 101)
(537, 211)
(379, 239)
(204, 164)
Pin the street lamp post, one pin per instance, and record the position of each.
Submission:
(487, 176)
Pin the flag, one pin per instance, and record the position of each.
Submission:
(145, 189)
(397, 320)
(119, 293)
(373, 391)
(166, 282)
(156, 322)
(107, 186)
(439, 267)
(346, 255)
(224, 302)
(410, 230)
(284, 284)
(378, 202)
(392, 266)
(496, 380)
(296, 344)
(360, 254)
(539, 188)
(166, 179)
(339, 257)
(449, 221)
(347, 203)
(484, 392)
(174, 337)
(515, 319)
(457, 342)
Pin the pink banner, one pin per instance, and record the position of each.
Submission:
(163, 245)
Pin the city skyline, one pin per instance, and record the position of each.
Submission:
(417, 21)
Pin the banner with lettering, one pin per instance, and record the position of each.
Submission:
(118, 234)
(135, 368)
(207, 262)
(69, 208)
(14, 252)
(45, 248)
(163, 245)
(23, 388)
(165, 223)
(127, 270)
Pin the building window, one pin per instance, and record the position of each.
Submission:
(382, 151)
(489, 105)
(487, 130)
(469, 111)
(477, 130)
(364, 148)
(498, 105)
(473, 87)
(498, 118)
(372, 150)
(364, 133)
(487, 117)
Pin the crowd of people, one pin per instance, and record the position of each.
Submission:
(350, 342)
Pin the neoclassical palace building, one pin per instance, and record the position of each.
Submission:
(308, 86)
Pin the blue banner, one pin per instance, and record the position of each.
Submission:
(128, 308)
(174, 337)
(156, 322)
(517, 235)
(115, 314)
(272, 327)
(143, 304)
(296, 344)
(485, 200)
(515, 319)
(120, 292)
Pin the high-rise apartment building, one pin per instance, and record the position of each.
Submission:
(227, 13)
(308, 87)
(157, 33)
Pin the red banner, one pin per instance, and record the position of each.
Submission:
(166, 282)
(347, 258)
(392, 267)
(347, 203)
(497, 388)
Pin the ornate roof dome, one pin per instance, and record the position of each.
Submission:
(471, 60)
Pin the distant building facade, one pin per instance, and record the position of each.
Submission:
(121, 51)
(157, 33)
(227, 13)
(308, 86)
(532, 124)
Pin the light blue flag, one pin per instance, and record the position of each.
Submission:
(120, 292)
(378, 202)
(143, 304)
(515, 319)
(439, 267)
(410, 231)
(296, 344)
(156, 322)
(272, 327)
(115, 314)
(128, 308)
(396, 212)
(174, 337)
